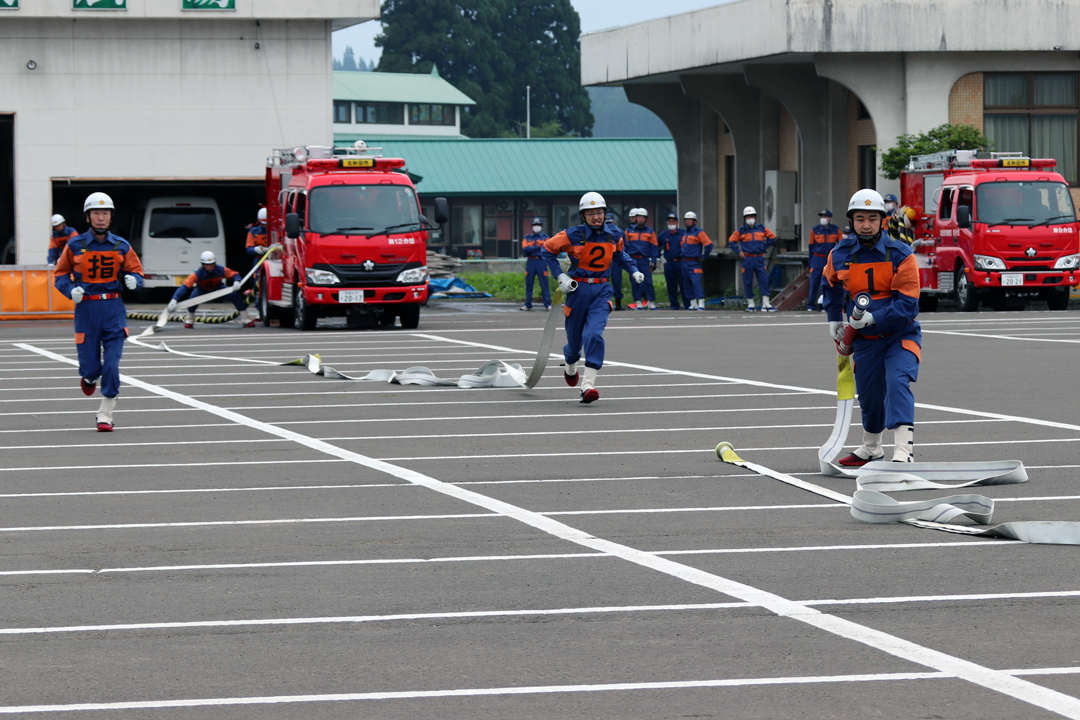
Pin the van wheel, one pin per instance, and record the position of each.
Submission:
(410, 316)
(303, 314)
(966, 296)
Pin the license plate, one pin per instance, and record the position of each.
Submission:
(1012, 278)
(351, 296)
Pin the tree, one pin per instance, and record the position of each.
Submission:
(943, 137)
(348, 63)
(490, 50)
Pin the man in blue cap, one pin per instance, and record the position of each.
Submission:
(670, 243)
(823, 237)
(535, 267)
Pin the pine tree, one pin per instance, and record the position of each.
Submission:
(348, 63)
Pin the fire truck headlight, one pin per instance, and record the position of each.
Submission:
(1069, 262)
(321, 277)
(414, 276)
(989, 262)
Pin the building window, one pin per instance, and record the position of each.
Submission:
(431, 114)
(465, 225)
(342, 111)
(867, 166)
(380, 113)
(1034, 114)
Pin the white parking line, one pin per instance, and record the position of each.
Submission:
(998, 337)
(974, 673)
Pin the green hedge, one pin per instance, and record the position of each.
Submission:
(510, 286)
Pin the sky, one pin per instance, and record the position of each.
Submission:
(595, 15)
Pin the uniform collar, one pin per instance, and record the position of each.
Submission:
(879, 245)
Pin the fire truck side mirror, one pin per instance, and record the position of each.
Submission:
(442, 210)
(292, 226)
(963, 216)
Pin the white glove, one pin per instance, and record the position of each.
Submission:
(236, 286)
(275, 247)
(836, 330)
(76, 294)
(51, 266)
(566, 283)
(859, 323)
(638, 277)
(260, 250)
(131, 282)
(171, 306)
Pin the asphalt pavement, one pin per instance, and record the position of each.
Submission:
(255, 541)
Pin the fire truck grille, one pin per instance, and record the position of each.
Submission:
(1028, 259)
(1030, 268)
(382, 275)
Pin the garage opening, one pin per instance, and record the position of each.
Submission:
(7, 189)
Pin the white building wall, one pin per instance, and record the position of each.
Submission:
(132, 99)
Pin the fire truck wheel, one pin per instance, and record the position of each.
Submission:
(386, 319)
(410, 316)
(267, 312)
(966, 297)
(304, 317)
(1058, 299)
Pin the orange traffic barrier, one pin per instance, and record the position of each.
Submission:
(27, 293)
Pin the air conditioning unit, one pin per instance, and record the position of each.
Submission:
(505, 205)
(525, 204)
(778, 205)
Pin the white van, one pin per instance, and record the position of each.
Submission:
(170, 233)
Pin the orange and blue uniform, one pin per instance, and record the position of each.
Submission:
(753, 241)
(591, 254)
(98, 267)
(822, 240)
(642, 247)
(887, 353)
(257, 237)
(670, 242)
(696, 246)
(535, 267)
(59, 239)
(616, 272)
(202, 282)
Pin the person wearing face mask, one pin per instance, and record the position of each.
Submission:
(822, 238)
(696, 248)
(535, 267)
(751, 241)
(642, 248)
(93, 269)
(591, 247)
(889, 340)
(670, 242)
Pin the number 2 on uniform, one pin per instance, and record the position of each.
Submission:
(598, 256)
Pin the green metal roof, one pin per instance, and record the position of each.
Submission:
(347, 139)
(397, 88)
(563, 166)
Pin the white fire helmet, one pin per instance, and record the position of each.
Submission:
(749, 210)
(57, 220)
(866, 199)
(591, 201)
(98, 201)
(207, 257)
(360, 146)
(262, 214)
(690, 216)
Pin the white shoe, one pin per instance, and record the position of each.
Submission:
(766, 305)
(524, 307)
(588, 386)
(105, 414)
(904, 444)
(652, 305)
(750, 306)
(868, 452)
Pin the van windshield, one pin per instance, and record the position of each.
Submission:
(1024, 203)
(183, 222)
(363, 209)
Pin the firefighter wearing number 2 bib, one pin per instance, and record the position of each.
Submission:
(591, 247)
(93, 270)
(889, 340)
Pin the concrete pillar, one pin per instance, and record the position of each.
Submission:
(694, 127)
(806, 97)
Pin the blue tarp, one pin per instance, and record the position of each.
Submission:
(453, 288)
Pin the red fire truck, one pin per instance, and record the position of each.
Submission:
(354, 239)
(1001, 230)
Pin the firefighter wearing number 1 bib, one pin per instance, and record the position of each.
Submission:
(92, 270)
(591, 247)
(888, 343)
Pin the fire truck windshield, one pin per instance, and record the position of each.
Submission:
(362, 209)
(1023, 203)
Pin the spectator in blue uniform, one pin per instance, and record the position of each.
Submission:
(642, 248)
(61, 234)
(823, 237)
(670, 243)
(207, 279)
(616, 271)
(751, 241)
(591, 247)
(258, 240)
(535, 267)
(696, 247)
(92, 270)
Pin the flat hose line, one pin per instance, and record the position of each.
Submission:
(869, 503)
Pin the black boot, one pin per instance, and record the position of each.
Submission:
(618, 304)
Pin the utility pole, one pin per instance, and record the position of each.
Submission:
(528, 112)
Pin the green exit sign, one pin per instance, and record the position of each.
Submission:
(9, 4)
(99, 4)
(209, 5)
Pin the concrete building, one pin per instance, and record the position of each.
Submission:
(780, 104)
(396, 104)
(155, 96)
